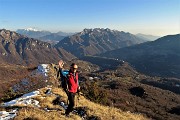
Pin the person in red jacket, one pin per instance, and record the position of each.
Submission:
(73, 85)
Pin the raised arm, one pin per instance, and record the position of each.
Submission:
(61, 64)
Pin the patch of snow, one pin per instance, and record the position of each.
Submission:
(43, 69)
(3, 53)
(91, 78)
(31, 94)
(31, 29)
(8, 115)
(96, 78)
(23, 100)
(46, 109)
(29, 101)
(63, 105)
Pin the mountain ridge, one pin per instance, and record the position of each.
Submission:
(19, 49)
(33, 33)
(160, 57)
(148, 37)
(96, 41)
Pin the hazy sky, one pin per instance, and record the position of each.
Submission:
(156, 17)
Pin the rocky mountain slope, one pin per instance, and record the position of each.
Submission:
(121, 86)
(96, 41)
(50, 103)
(46, 36)
(157, 58)
(107, 81)
(19, 49)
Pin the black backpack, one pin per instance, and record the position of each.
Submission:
(63, 79)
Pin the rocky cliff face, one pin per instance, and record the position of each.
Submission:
(19, 49)
(96, 41)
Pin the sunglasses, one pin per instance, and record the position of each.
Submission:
(74, 68)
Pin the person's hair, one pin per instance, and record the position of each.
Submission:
(72, 65)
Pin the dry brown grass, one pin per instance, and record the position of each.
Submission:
(57, 112)
(104, 112)
(31, 113)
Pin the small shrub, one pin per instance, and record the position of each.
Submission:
(93, 92)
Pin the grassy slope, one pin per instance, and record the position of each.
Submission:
(57, 112)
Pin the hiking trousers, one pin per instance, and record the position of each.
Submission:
(71, 97)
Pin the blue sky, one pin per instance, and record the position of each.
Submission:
(156, 17)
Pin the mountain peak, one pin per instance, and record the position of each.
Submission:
(97, 29)
(97, 40)
(31, 29)
(32, 32)
(101, 30)
(7, 34)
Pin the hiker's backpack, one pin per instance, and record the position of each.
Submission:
(63, 78)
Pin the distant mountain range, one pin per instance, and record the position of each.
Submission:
(44, 35)
(52, 38)
(147, 37)
(157, 58)
(19, 49)
(32, 33)
(110, 78)
(96, 41)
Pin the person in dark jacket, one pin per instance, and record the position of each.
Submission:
(62, 75)
(72, 85)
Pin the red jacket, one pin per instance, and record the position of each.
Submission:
(73, 82)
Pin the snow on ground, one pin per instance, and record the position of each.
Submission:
(64, 105)
(26, 99)
(43, 69)
(7, 115)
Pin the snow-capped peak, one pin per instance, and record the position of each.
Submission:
(31, 29)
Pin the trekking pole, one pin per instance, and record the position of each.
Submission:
(77, 98)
